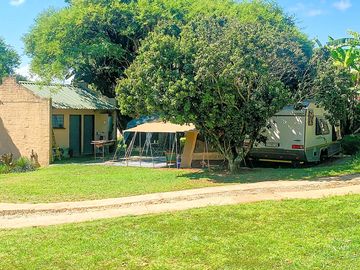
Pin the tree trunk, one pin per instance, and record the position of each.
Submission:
(234, 162)
(234, 165)
(122, 121)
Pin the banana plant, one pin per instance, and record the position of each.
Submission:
(346, 54)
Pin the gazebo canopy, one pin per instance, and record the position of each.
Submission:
(161, 127)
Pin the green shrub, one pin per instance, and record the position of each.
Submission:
(351, 144)
(4, 169)
(23, 164)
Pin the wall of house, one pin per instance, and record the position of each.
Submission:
(62, 136)
(24, 122)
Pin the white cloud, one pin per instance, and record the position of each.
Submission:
(342, 5)
(297, 7)
(307, 10)
(314, 12)
(24, 70)
(17, 2)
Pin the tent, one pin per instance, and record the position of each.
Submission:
(169, 129)
(161, 127)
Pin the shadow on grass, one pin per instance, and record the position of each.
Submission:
(272, 172)
(89, 159)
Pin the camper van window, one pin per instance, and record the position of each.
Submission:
(322, 128)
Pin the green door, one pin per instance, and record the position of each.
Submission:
(89, 131)
(75, 134)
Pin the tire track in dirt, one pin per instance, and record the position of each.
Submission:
(29, 215)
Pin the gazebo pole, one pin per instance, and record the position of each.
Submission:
(130, 148)
(140, 148)
(176, 150)
(151, 152)
(172, 150)
(207, 153)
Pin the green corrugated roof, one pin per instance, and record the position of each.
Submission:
(70, 97)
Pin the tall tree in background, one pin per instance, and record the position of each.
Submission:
(9, 60)
(94, 41)
(345, 53)
(331, 87)
(226, 76)
(345, 57)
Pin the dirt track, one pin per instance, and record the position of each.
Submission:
(28, 215)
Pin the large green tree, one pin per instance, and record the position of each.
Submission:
(9, 59)
(96, 40)
(226, 76)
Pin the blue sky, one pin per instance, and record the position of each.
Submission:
(317, 18)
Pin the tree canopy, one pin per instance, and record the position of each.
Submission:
(9, 59)
(226, 76)
(337, 83)
(96, 40)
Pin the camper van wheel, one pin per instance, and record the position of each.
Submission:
(323, 156)
(250, 163)
(295, 164)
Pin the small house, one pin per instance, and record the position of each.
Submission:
(35, 118)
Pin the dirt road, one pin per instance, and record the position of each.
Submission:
(28, 215)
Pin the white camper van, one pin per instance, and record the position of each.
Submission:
(298, 135)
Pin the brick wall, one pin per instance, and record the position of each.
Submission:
(24, 122)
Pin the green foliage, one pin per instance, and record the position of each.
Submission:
(351, 144)
(4, 169)
(9, 59)
(20, 165)
(331, 87)
(23, 164)
(227, 84)
(96, 40)
(345, 54)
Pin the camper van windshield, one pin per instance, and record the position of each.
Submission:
(322, 127)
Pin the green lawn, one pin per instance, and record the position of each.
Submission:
(83, 182)
(298, 234)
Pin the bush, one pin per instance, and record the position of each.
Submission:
(356, 159)
(4, 169)
(20, 165)
(351, 144)
(23, 164)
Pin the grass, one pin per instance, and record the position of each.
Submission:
(335, 167)
(84, 182)
(297, 234)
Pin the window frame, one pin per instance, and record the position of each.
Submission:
(59, 126)
(321, 127)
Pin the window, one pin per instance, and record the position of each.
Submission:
(58, 121)
(311, 118)
(322, 128)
